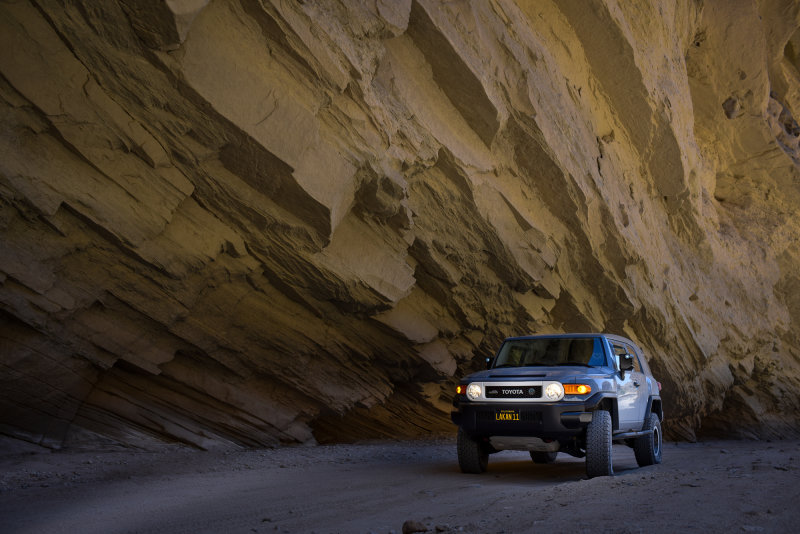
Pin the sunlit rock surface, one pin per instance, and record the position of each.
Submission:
(245, 223)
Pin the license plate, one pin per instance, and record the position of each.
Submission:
(506, 415)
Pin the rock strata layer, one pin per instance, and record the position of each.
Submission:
(240, 223)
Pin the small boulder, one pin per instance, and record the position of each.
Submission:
(413, 526)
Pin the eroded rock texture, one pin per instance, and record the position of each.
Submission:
(251, 222)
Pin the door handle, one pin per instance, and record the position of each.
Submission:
(637, 384)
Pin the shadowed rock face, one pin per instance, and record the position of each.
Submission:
(244, 223)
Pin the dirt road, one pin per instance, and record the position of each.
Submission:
(731, 486)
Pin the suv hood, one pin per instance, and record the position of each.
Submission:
(567, 373)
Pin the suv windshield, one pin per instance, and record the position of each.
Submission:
(550, 352)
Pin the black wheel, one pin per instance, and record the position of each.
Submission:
(543, 457)
(648, 448)
(598, 445)
(473, 456)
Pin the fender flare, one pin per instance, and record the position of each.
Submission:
(604, 400)
(654, 406)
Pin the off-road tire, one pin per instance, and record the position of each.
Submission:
(598, 445)
(648, 448)
(473, 456)
(543, 457)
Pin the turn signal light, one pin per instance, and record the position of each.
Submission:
(577, 389)
(460, 390)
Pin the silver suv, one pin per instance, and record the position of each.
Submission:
(570, 393)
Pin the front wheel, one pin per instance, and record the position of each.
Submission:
(648, 448)
(598, 445)
(473, 456)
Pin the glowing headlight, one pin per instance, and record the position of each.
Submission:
(473, 391)
(554, 391)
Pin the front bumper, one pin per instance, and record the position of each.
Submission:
(556, 420)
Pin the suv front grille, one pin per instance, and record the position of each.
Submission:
(513, 392)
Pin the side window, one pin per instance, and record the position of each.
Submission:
(637, 367)
(645, 365)
(618, 350)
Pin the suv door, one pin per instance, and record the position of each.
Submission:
(642, 387)
(631, 389)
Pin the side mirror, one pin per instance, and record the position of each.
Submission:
(625, 362)
(489, 362)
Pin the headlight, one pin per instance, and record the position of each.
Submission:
(473, 391)
(554, 391)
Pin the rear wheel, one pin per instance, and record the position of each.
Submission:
(648, 448)
(598, 445)
(473, 456)
(543, 457)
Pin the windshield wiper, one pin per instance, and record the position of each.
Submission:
(525, 365)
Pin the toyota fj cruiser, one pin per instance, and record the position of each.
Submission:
(570, 393)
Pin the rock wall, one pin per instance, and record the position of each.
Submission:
(251, 222)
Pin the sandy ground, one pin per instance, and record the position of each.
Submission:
(734, 486)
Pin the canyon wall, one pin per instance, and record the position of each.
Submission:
(236, 223)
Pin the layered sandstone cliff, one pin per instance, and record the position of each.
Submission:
(244, 222)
